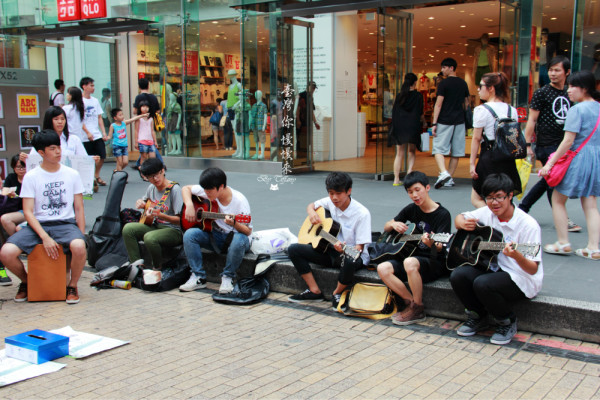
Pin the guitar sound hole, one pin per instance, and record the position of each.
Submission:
(474, 248)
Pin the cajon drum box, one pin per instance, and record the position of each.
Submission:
(46, 278)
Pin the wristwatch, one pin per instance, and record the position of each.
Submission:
(528, 144)
(434, 124)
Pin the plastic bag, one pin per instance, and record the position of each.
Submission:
(271, 241)
(524, 168)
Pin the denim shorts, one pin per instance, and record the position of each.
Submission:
(63, 233)
(144, 148)
(119, 151)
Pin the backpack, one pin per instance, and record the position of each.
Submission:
(52, 97)
(159, 124)
(174, 274)
(510, 142)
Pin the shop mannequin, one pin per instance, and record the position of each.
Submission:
(242, 125)
(258, 124)
(423, 85)
(484, 58)
(233, 110)
(173, 125)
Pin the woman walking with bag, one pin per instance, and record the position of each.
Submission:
(582, 177)
(407, 120)
(493, 88)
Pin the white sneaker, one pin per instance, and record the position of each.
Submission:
(226, 285)
(192, 284)
(450, 183)
(442, 178)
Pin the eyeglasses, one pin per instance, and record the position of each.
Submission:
(20, 167)
(154, 176)
(498, 199)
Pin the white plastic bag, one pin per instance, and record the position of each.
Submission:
(271, 241)
(425, 141)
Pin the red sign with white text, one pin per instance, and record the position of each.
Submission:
(93, 9)
(68, 10)
(191, 63)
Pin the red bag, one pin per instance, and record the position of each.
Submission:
(560, 167)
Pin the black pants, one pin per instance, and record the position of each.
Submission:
(542, 153)
(303, 254)
(486, 292)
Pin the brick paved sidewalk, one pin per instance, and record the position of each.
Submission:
(184, 345)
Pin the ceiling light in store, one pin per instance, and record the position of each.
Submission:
(431, 37)
(371, 33)
(472, 14)
(553, 18)
(491, 33)
(215, 22)
(591, 33)
(463, 26)
(462, 11)
(414, 47)
(439, 29)
(431, 18)
(464, 65)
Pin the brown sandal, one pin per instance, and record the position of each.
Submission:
(100, 182)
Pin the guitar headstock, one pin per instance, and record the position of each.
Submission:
(441, 237)
(243, 219)
(352, 252)
(528, 249)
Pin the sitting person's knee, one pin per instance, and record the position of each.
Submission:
(411, 265)
(77, 246)
(385, 269)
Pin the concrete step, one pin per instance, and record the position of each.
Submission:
(543, 314)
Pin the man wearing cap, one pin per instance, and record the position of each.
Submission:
(304, 119)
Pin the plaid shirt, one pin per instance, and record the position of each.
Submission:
(257, 116)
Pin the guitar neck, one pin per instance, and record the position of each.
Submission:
(333, 240)
(214, 215)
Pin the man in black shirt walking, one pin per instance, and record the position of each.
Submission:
(547, 114)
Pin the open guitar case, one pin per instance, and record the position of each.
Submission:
(106, 247)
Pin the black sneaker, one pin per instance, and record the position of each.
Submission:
(335, 300)
(4, 279)
(474, 324)
(307, 295)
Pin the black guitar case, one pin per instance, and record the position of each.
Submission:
(105, 242)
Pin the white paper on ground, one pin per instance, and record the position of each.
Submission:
(13, 370)
(83, 344)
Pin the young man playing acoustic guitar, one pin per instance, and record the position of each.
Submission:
(514, 277)
(426, 264)
(162, 205)
(355, 221)
(229, 235)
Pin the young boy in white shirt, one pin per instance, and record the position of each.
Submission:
(53, 207)
(355, 221)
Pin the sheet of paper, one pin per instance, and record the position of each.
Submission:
(13, 370)
(83, 344)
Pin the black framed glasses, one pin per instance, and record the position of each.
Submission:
(497, 199)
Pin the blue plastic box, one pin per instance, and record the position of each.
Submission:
(37, 346)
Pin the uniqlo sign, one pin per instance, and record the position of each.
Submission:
(93, 9)
(68, 10)
(71, 10)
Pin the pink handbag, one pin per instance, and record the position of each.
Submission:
(560, 167)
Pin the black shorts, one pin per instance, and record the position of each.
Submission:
(429, 268)
(95, 148)
(63, 232)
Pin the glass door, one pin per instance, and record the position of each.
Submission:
(394, 60)
(292, 106)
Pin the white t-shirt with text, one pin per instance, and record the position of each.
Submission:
(93, 109)
(53, 192)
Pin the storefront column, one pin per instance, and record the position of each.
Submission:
(577, 35)
(531, 16)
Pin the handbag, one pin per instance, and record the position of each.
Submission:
(10, 204)
(510, 143)
(159, 124)
(560, 167)
(468, 118)
(215, 119)
(223, 121)
(424, 142)
(368, 300)
(524, 169)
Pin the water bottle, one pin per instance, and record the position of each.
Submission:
(121, 284)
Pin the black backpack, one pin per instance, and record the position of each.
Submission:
(510, 142)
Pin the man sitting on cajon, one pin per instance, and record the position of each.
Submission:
(53, 206)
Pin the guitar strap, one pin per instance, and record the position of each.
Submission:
(165, 195)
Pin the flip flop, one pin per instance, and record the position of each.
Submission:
(558, 248)
(100, 181)
(589, 254)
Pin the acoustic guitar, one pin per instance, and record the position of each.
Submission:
(147, 217)
(320, 236)
(393, 245)
(206, 212)
(480, 248)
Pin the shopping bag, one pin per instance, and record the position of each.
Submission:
(524, 167)
(424, 141)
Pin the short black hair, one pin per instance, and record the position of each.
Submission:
(496, 182)
(15, 160)
(45, 138)
(566, 63)
(449, 62)
(143, 83)
(415, 177)
(59, 83)
(86, 80)
(151, 166)
(114, 112)
(143, 103)
(213, 178)
(338, 181)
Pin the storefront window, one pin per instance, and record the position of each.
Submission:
(11, 51)
(590, 43)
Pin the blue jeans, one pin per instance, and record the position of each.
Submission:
(196, 238)
(542, 153)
